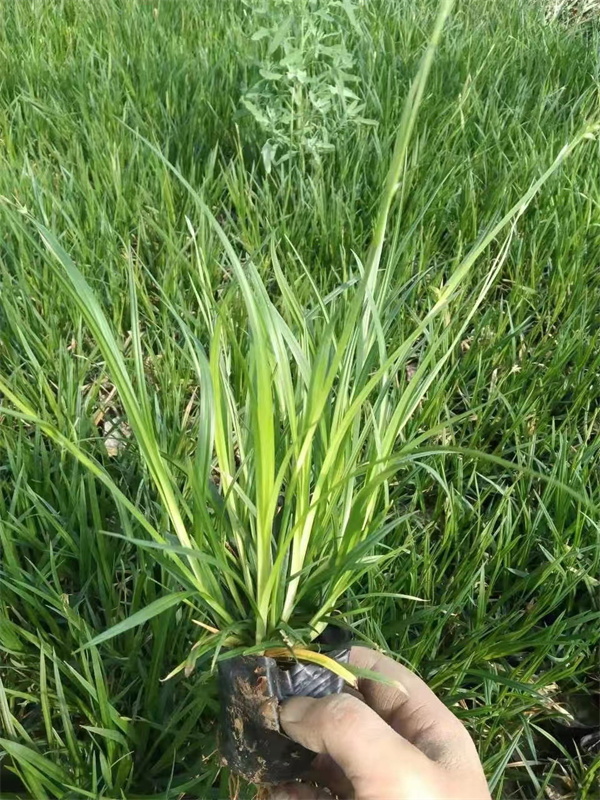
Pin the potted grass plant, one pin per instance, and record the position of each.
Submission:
(284, 502)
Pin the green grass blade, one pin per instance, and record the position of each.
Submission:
(139, 618)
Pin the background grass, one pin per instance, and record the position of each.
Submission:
(508, 565)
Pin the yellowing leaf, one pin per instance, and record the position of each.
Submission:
(302, 654)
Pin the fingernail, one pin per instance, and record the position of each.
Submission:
(280, 794)
(293, 791)
(294, 710)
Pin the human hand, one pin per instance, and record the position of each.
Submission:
(396, 745)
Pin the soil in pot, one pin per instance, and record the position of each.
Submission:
(252, 743)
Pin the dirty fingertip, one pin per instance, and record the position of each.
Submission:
(294, 710)
(280, 793)
(298, 791)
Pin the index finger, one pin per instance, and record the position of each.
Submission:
(417, 714)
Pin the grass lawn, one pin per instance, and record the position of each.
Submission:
(282, 116)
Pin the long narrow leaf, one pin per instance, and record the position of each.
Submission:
(139, 618)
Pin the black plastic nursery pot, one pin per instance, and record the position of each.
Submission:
(252, 743)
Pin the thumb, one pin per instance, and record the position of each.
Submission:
(357, 739)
